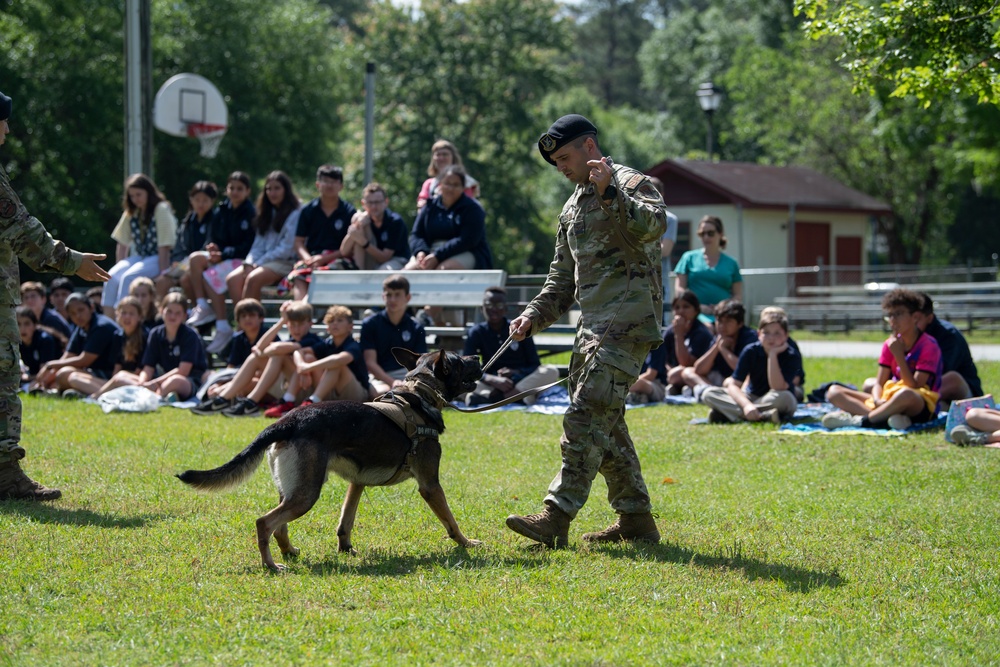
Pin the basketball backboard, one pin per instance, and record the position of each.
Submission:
(189, 105)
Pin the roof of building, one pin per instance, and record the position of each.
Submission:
(690, 182)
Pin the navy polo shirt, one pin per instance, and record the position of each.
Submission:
(955, 353)
(699, 340)
(521, 357)
(54, 320)
(327, 348)
(381, 335)
(753, 363)
(104, 338)
(232, 229)
(745, 336)
(321, 231)
(657, 359)
(166, 355)
(43, 347)
(240, 347)
(393, 234)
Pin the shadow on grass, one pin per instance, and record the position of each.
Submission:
(43, 513)
(795, 579)
(382, 564)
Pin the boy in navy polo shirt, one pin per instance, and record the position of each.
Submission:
(59, 290)
(91, 354)
(174, 361)
(271, 359)
(37, 345)
(33, 296)
(387, 329)
(518, 368)
(377, 238)
(732, 336)
(335, 367)
(323, 224)
(760, 388)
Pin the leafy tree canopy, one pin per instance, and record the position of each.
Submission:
(928, 49)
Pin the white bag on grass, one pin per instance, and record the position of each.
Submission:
(131, 398)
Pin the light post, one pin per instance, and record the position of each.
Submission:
(709, 97)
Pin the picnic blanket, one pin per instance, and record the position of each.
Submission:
(812, 428)
(555, 401)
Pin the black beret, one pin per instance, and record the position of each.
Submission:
(6, 105)
(563, 131)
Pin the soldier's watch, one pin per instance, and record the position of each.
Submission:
(610, 193)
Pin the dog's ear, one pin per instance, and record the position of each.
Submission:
(407, 358)
(441, 365)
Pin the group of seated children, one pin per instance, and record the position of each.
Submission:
(758, 376)
(306, 369)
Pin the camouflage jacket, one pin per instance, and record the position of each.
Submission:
(23, 236)
(591, 263)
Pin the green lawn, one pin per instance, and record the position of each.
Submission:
(849, 550)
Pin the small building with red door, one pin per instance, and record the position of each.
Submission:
(774, 218)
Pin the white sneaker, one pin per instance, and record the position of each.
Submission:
(200, 316)
(839, 418)
(220, 341)
(966, 436)
(900, 422)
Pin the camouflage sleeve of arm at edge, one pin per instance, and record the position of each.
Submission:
(558, 293)
(27, 238)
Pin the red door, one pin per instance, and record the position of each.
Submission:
(812, 246)
(848, 255)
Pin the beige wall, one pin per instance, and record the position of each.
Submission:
(761, 241)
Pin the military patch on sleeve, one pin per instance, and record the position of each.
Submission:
(7, 208)
(649, 191)
(634, 181)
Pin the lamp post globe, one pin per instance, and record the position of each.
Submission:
(709, 98)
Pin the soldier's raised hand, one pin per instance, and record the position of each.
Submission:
(91, 270)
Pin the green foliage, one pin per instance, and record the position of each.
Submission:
(473, 73)
(698, 43)
(893, 149)
(777, 549)
(280, 68)
(929, 50)
(64, 153)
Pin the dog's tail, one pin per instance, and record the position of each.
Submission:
(242, 465)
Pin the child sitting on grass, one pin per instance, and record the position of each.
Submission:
(909, 375)
(270, 361)
(334, 368)
(39, 344)
(983, 428)
(732, 337)
(760, 388)
(134, 335)
(174, 361)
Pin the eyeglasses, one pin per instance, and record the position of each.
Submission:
(374, 202)
(895, 315)
(709, 233)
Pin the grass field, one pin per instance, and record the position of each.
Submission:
(777, 550)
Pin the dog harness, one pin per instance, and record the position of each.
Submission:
(406, 418)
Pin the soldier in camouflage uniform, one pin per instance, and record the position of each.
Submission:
(22, 236)
(607, 258)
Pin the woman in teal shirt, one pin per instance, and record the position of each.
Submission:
(710, 273)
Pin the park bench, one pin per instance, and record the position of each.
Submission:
(453, 290)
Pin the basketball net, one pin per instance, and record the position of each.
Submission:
(210, 137)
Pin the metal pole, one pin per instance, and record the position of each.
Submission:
(133, 89)
(708, 140)
(369, 121)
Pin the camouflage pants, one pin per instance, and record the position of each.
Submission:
(595, 440)
(10, 377)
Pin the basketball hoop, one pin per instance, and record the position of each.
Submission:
(210, 137)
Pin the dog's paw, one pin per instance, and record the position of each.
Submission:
(471, 543)
(292, 553)
(276, 568)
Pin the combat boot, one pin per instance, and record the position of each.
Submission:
(15, 485)
(628, 528)
(550, 527)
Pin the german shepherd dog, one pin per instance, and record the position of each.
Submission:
(357, 442)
